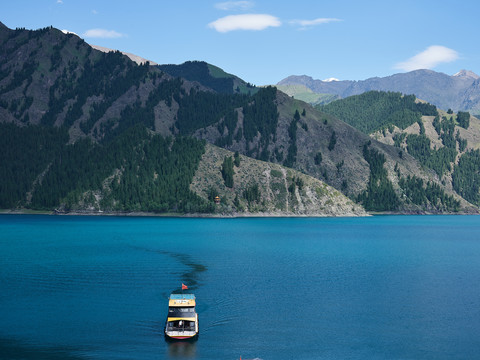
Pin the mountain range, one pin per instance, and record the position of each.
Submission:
(459, 92)
(85, 130)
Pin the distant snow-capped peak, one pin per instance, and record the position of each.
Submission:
(330, 79)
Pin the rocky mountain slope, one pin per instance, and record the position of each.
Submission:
(441, 135)
(458, 92)
(281, 191)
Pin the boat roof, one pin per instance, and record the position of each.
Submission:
(180, 300)
(182, 296)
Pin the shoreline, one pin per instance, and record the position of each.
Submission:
(175, 215)
(220, 215)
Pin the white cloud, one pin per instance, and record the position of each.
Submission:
(94, 12)
(429, 58)
(234, 5)
(245, 22)
(102, 33)
(59, 1)
(309, 23)
(69, 32)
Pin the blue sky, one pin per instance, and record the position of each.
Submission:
(264, 41)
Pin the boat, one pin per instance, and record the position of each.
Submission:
(182, 320)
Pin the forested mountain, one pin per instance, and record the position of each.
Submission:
(377, 110)
(445, 142)
(459, 92)
(210, 76)
(88, 130)
(136, 171)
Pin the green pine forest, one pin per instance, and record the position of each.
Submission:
(145, 172)
(376, 110)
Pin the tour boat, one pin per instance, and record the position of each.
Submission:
(182, 320)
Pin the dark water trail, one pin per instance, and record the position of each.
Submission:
(191, 275)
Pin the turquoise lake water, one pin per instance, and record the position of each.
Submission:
(383, 287)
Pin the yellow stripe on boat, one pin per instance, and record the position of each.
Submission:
(181, 318)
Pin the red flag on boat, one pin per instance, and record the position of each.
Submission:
(184, 287)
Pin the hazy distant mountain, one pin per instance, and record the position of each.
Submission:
(457, 92)
(467, 74)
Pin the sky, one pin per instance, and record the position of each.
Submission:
(264, 41)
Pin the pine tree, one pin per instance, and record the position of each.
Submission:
(227, 171)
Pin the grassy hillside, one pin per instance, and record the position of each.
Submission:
(301, 92)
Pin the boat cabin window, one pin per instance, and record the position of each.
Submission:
(180, 325)
(181, 311)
